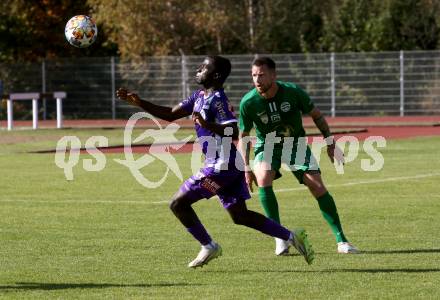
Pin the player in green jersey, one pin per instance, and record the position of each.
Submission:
(275, 109)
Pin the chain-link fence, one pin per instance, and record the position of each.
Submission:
(341, 84)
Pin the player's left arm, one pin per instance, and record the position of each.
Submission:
(217, 128)
(332, 150)
(219, 117)
(320, 122)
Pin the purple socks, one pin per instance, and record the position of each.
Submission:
(274, 229)
(269, 227)
(199, 233)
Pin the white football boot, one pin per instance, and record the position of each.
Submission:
(298, 239)
(207, 253)
(347, 248)
(281, 247)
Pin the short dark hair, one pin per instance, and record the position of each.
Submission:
(222, 66)
(264, 61)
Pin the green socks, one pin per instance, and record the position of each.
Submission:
(326, 205)
(269, 203)
(328, 209)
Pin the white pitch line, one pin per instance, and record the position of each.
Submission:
(420, 176)
(302, 188)
(362, 182)
(80, 201)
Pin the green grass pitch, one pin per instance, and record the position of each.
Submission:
(103, 235)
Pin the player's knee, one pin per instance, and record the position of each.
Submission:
(180, 203)
(315, 187)
(318, 191)
(174, 204)
(239, 219)
(264, 181)
(265, 178)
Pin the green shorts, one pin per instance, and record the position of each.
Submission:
(298, 163)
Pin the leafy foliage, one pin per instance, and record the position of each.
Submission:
(136, 28)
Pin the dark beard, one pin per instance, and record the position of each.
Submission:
(264, 90)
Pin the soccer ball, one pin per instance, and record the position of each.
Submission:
(81, 31)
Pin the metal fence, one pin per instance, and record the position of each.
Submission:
(341, 84)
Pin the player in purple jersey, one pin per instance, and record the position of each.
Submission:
(216, 125)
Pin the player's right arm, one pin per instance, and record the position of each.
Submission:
(163, 112)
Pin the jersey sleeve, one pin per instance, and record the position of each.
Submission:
(222, 111)
(306, 104)
(246, 123)
(188, 103)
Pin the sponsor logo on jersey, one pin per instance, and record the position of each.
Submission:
(210, 185)
(274, 114)
(285, 106)
(275, 118)
(263, 117)
(221, 110)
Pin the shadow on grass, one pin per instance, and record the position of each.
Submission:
(402, 251)
(386, 270)
(390, 251)
(66, 286)
(373, 271)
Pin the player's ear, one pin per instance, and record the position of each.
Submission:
(217, 76)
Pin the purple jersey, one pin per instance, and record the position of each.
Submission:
(219, 176)
(214, 108)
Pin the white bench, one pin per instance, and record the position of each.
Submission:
(59, 96)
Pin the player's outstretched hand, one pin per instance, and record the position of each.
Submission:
(126, 96)
(250, 177)
(198, 119)
(335, 153)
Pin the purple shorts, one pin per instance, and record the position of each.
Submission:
(229, 185)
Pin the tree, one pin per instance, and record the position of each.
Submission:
(171, 27)
(411, 25)
(352, 26)
(390, 25)
(32, 30)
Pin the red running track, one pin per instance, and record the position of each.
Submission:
(390, 127)
(392, 132)
(337, 121)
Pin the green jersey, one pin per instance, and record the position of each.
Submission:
(281, 114)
